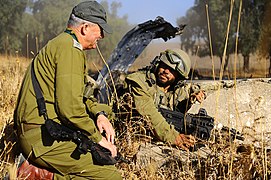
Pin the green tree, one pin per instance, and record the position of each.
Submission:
(264, 47)
(219, 14)
(49, 18)
(31, 31)
(10, 24)
(27, 25)
(218, 11)
(53, 16)
(43, 20)
(191, 36)
(250, 25)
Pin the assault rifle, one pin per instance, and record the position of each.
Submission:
(100, 155)
(199, 125)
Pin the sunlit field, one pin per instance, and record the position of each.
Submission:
(226, 160)
(11, 72)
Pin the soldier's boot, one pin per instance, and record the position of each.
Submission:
(29, 171)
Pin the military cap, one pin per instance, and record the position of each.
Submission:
(93, 12)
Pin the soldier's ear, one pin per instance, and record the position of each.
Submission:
(84, 29)
(155, 63)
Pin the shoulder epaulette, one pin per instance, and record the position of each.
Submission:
(76, 44)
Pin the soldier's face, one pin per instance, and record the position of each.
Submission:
(165, 75)
(93, 33)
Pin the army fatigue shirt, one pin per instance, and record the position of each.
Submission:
(148, 97)
(60, 68)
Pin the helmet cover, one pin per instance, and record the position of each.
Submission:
(178, 60)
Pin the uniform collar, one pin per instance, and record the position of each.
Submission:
(70, 32)
(76, 43)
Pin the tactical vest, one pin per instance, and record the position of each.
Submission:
(172, 98)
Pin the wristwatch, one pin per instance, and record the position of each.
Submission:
(101, 112)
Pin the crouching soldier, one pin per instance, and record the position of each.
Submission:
(162, 84)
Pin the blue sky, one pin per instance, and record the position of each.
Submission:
(139, 11)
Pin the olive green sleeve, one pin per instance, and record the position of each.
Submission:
(94, 107)
(69, 87)
(145, 106)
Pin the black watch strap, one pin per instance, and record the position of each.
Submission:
(101, 113)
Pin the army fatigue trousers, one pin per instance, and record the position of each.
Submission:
(62, 157)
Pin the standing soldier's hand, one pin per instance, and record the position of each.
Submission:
(111, 147)
(185, 141)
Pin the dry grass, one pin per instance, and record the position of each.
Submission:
(11, 73)
(226, 161)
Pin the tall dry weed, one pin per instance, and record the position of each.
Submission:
(11, 74)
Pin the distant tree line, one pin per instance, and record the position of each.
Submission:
(27, 25)
(253, 34)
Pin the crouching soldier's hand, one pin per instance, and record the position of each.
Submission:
(197, 94)
(185, 141)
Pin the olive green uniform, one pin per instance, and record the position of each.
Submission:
(148, 97)
(60, 68)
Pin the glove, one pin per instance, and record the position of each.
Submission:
(185, 141)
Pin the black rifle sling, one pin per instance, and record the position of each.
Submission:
(39, 96)
(54, 129)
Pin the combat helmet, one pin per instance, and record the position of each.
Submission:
(177, 59)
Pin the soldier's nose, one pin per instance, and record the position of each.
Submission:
(166, 71)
